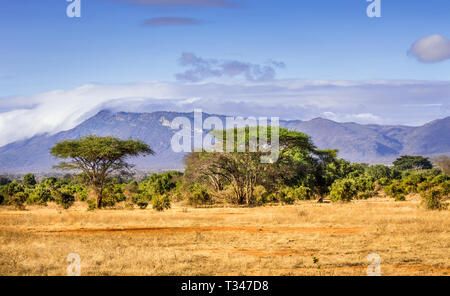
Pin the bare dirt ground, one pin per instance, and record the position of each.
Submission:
(273, 240)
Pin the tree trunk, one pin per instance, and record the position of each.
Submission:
(98, 188)
(99, 201)
(100, 197)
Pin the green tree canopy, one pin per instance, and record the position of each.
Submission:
(98, 157)
(298, 164)
(379, 171)
(29, 180)
(408, 162)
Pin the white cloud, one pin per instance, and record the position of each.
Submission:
(431, 49)
(330, 115)
(364, 118)
(384, 102)
(200, 69)
(368, 117)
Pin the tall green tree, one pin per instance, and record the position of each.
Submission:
(98, 157)
(408, 162)
(29, 180)
(298, 164)
(379, 171)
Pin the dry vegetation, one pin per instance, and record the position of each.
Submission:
(271, 240)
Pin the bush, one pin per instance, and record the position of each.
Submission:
(396, 174)
(412, 181)
(112, 195)
(424, 186)
(64, 199)
(142, 205)
(82, 194)
(68, 188)
(433, 199)
(260, 195)
(179, 192)
(51, 183)
(446, 188)
(365, 187)
(1, 199)
(159, 183)
(343, 190)
(161, 202)
(92, 204)
(303, 193)
(289, 195)
(365, 194)
(439, 179)
(396, 190)
(13, 188)
(399, 198)
(39, 196)
(434, 172)
(18, 199)
(384, 181)
(198, 195)
(137, 198)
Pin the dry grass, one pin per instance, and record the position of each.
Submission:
(278, 240)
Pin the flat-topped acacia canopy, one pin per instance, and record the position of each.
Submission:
(98, 157)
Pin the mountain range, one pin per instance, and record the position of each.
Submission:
(355, 142)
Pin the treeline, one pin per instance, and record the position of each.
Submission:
(302, 172)
(65, 191)
(305, 173)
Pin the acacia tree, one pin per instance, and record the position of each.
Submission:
(407, 162)
(298, 159)
(98, 157)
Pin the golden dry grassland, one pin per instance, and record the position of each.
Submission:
(271, 240)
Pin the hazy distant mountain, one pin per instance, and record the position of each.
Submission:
(377, 143)
(356, 142)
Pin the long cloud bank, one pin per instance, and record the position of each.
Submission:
(381, 102)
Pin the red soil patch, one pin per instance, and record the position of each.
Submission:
(157, 230)
(258, 253)
(271, 253)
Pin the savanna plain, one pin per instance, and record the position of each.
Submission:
(307, 238)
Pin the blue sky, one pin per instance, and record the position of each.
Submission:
(42, 50)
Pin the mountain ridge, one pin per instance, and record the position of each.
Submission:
(369, 143)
